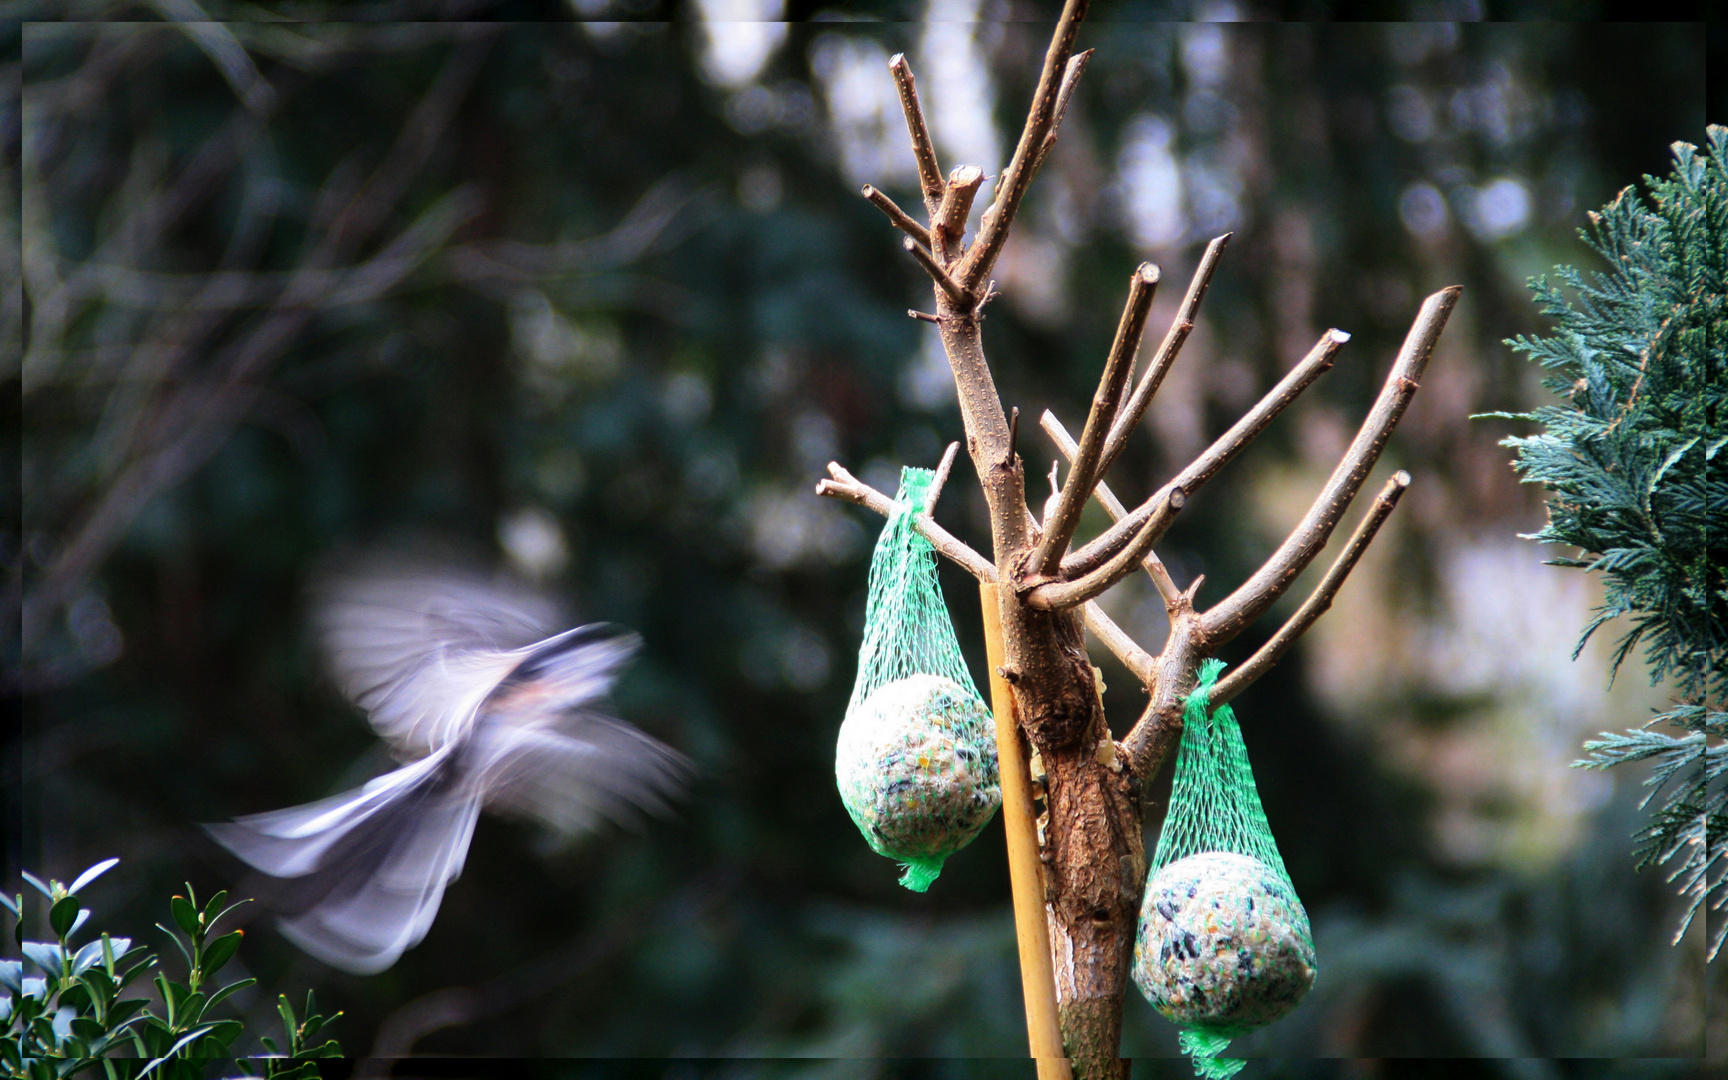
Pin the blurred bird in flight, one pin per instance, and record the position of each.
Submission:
(458, 676)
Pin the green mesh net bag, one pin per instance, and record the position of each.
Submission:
(916, 760)
(1223, 944)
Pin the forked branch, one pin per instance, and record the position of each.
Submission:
(1111, 504)
(846, 486)
(1086, 470)
(1267, 584)
(1319, 600)
(1180, 327)
(1056, 595)
(949, 287)
(853, 490)
(1215, 457)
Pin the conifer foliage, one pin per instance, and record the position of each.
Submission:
(1634, 467)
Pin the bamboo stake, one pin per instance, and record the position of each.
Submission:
(1025, 876)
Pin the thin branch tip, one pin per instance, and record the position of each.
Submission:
(1320, 600)
(941, 479)
(900, 218)
(923, 150)
(1263, 588)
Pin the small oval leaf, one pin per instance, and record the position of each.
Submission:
(184, 914)
(62, 915)
(220, 951)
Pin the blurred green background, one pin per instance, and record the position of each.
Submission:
(606, 306)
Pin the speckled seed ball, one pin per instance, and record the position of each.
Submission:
(1223, 943)
(916, 767)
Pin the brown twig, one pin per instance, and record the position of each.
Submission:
(941, 478)
(1075, 68)
(1057, 595)
(1086, 469)
(923, 150)
(1268, 583)
(1216, 456)
(1112, 506)
(1011, 189)
(848, 487)
(1134, 658)
(901, 219)
(1319, 600)
(1180, 327)
(940, 276)
(1070, 79)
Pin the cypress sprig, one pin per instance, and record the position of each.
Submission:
(1633, 465)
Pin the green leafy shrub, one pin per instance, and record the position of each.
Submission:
(73, 1017)
(1631, 465)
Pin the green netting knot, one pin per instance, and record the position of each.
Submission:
(916, 758)
(1204, 1047)
(1223, 944)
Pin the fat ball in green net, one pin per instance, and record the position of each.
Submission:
(1223, 944)
(916, 757)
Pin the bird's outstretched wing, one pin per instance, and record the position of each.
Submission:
(364, 871)
(420, 646)
(587, 769)
(544, 751)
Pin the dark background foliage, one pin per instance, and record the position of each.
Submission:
(642, 425)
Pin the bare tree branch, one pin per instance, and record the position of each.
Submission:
(198, 416)
(853, 490)
(219, 44)
(1057, 595)
(1070, 79)
(1112, 506)
(1180, 327)
(941, 479)
(981, 257)
(1215, 457)
(1268, 583)
(923, 150)
(1319, 600)
(1133, 657)
(1086, 469)
(1075, 68)
(901, 219)
(658, 219)
(940, 276)
(949, 224)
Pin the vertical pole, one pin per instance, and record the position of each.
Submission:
(1025, 873)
